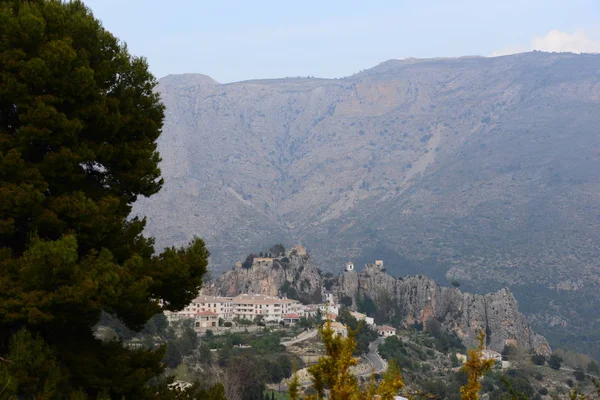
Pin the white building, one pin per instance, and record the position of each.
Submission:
(362, 317)
(291, 318)
(339, 329)
(310, 311)
(297, 308)
(461, 357)
(491, 355)
(386, 331)
(223, 306)
(243, 306)
(205, 320)
(248, 306)
(329, 309)
(329, 297)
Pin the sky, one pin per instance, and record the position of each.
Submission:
(240, 40)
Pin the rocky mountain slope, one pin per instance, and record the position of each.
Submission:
(293, 274)
(483, 170)
(405, 302)
(416, 299)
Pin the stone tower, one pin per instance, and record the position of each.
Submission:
(300, 250)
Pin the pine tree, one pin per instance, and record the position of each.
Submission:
(79, 120)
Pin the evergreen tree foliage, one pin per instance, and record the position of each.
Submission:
(363, 333)
(579, 374)
(79, 120)
(555, 361)
(250, 374)
(538, 359)
(277, 250)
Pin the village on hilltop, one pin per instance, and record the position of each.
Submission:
(209, 312)
(217, 313)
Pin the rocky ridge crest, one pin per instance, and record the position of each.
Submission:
(413, 300)
(407, 301)
(292, 274)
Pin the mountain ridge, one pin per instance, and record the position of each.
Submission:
(406, 302)
(482, 170)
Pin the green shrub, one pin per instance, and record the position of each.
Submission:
(538, 376)
(555, 361)
(570, 383)
(538, 359)
(593, 368)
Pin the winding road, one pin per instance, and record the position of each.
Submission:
(373, 357)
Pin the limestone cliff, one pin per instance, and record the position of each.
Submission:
(400, 301)
(484, 168)
(415, 299)
(293, 275)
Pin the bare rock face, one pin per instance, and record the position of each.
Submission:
(406, 301)
(416, 299)
(293, 275)
(482, 169)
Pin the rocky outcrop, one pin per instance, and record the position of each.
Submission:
(293, 275)
(402, 301)
(416, 299)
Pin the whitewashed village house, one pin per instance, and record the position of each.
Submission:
(386, 331)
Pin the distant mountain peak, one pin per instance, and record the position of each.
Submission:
(483, 170)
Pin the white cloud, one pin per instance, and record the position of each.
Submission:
(556, 41)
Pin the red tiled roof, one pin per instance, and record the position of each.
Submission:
(386, 328)
(291, 316)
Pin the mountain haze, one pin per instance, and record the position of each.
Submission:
(482, 170)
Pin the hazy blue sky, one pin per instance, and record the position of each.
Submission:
(237, 40)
